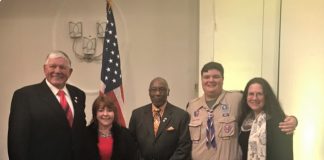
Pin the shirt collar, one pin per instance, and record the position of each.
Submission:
(55, 90)
(162, 108)
(218, 100)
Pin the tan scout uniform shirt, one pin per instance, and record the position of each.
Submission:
(225, 111)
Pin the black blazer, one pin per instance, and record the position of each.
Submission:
(38, 128)
(124, 146)
(173, 138)
(279, 145)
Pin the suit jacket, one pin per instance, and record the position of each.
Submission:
(124, 146)
(173, 138)
(38, 128)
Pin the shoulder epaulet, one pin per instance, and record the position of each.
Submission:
(235, 91)
(194, 100)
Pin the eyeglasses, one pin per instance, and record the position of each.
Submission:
(251, 94)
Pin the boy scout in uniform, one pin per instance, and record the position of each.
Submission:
(225, 113)
(213, 118)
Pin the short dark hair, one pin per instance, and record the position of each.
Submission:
(213, 65)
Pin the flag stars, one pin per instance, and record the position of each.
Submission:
(110, 60)
(111, 74)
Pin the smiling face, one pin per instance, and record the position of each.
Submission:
(159, 91)
(104, 111)
(105, 117)
(57, 71)
(212, 83)
(255, 97)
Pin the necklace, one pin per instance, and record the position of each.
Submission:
(104, 135)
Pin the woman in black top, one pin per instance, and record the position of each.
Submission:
(260, 136)
(107, 140)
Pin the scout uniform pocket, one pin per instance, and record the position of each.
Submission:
(195, 130)
(227, 127)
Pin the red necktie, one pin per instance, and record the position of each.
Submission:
(65, 106)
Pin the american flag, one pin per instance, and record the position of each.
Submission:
(111, 76)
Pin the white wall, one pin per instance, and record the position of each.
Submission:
(243, 36)
(156, 38)
(301, 87)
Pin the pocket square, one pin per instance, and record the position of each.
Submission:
(170, 128)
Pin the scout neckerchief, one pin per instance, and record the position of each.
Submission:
(210, 129)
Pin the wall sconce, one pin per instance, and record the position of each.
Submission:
(89, 45)
(101, 29)
(75, 29)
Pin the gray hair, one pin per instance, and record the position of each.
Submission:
(58, 54)
(161, 80)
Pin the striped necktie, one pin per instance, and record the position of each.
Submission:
(156, 120)
(65, 106)
(210, 131)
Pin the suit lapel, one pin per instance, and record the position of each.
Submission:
(148, 119)
(77, 104)
(51, 101)
(74, 100)
(165, 120)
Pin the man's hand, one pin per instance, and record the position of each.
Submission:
(288, 125)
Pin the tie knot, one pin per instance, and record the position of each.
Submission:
(61, 93)
(156, 110)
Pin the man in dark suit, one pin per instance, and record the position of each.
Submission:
(171, 141)
(38, 126)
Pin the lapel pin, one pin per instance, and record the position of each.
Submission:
(76, 99)
(164, 119)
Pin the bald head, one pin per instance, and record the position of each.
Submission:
(160, 80)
